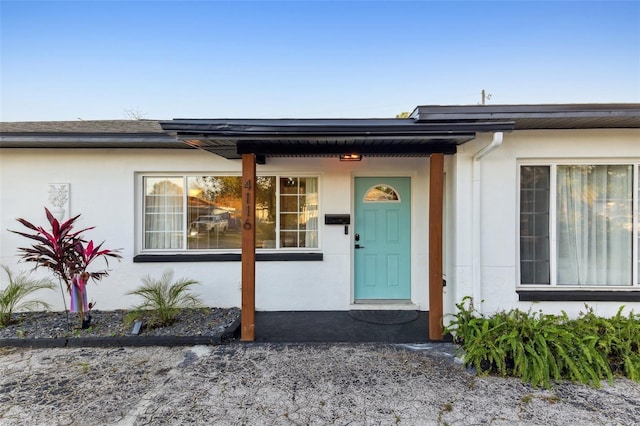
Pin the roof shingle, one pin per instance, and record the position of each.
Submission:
(83, 127)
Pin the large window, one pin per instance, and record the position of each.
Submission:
(203, 212)
(578, 225)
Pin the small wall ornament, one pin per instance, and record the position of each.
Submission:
(59, 200)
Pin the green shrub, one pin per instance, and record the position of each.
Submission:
(19, 287)
(540, 348)
(618, 337)
(162, 299)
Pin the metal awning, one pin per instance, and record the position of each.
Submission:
(326, 137)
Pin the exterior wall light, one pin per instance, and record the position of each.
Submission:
(350, 157)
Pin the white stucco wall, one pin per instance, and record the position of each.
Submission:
(496, 265)
(103, 189)
(480, 255)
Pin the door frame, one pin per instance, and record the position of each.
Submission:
(384, 304)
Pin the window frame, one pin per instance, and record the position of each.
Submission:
(213, 253)
(569, 291)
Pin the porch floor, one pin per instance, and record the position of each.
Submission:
(336, 326)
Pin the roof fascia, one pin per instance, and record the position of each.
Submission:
(513, 112)
(249, 129)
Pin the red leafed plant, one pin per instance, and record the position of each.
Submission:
(64, 250)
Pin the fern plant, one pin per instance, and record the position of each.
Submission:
(19, 287)
(162, 299)
(618, 337)
(542, 348)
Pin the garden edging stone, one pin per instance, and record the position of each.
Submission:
(131, 341)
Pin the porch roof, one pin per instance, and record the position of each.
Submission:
(430, 129)
(327, 137)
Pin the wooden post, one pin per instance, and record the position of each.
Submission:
(436, 192)
(248, 314)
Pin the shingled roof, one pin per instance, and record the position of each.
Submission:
(87, 134)
(82, 127)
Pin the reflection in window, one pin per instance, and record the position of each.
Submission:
(381, 193)
(204, 212)
(214, 208)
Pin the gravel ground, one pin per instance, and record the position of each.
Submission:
(278, 384)
(189, 322)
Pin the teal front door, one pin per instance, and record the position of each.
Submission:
(382, 238)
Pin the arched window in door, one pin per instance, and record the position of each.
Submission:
(381, 194)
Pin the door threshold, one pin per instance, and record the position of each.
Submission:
(384, 304)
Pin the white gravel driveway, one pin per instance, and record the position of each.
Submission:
(277, 384)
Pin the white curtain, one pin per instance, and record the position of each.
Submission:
(594, 225)
(311, 213)
(164, 213)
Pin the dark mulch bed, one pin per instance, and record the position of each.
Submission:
(189, 322)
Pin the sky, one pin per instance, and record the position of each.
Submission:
(92, 60)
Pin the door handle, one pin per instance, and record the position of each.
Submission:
(358, 246)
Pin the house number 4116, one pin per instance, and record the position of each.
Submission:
(247, 185)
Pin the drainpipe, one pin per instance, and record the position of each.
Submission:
(495, 143)
(476, 274)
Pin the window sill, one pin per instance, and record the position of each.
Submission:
(228, 257)
(578, 295)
